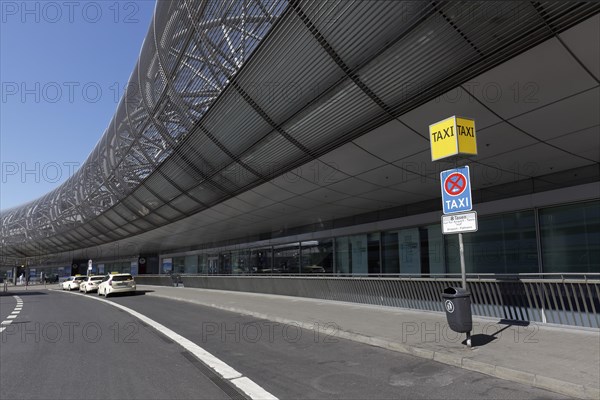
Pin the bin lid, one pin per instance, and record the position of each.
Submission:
(452, 292)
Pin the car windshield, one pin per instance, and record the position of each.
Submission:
(122, 278)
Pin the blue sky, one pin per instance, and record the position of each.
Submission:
(63, 67)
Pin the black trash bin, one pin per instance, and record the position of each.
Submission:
(457, 303)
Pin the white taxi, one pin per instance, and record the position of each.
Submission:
(73, 282)
(116, 283)
(91, 283)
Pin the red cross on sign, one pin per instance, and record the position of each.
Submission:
(455, 184)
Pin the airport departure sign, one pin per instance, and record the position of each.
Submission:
(452, 136)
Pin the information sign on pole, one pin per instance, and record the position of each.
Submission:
(459, 223)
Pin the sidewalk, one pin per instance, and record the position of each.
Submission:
(563, 360)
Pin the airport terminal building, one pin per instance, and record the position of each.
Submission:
(284, 147)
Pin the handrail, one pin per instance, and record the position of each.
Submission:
(483, 276)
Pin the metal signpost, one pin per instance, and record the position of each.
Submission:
(456, 197)
(455, 137)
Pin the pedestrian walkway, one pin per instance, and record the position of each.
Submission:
(560, 359)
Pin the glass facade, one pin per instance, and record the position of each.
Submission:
(503, 244)
(287, 258)
(185, 265)
(351, 255)
(570, 238)
(568, 241)
(317, 256)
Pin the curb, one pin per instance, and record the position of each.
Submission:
(497, 371)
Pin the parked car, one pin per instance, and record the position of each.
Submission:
(73, 282)
(91, 284)
(313, 269)
(116, 283)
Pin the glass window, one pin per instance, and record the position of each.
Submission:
(121, 278)
(409, 244)
(287, 258)
(373, 246)
(225, 264)
(503, 244)
(317, 256)
(570, 238)
(190, 264)
(435, 249)
(240, 261)
(127, 267)
(390, 252)
(351, 255)
(402, 251)
(179, 265)
(202, 264)
(260, 260)
(212, 264)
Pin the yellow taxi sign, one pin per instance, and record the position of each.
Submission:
(114, 273)
(452, 136)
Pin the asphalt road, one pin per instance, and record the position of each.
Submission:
(67, 347)
(131, 360)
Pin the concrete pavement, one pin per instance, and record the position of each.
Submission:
(560, 359)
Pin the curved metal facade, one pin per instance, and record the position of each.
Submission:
(203, 121)
(191, 52)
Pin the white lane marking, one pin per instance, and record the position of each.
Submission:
(3, 328)
(13, 314)
(246, 385)
(252, 389)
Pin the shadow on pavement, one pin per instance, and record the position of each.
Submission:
(23, 293)
(481, 339)
(136, 293)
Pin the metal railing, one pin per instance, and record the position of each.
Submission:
(566, 299)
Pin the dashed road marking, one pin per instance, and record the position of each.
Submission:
(14, 314)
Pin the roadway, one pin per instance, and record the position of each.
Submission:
(68, 346)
